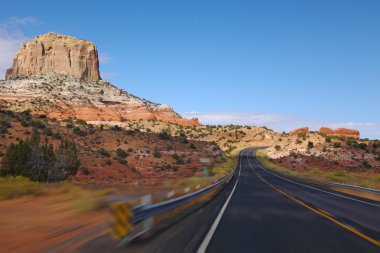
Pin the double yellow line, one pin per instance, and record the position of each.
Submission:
(320, 212)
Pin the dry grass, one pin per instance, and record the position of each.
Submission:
(363, 179)
(12, 187)
(82, 199)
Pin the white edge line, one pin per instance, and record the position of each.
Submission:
(307, 186)
(202, 248)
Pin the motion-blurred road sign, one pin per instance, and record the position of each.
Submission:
(205, 171)
(204, 160)
(121, 223)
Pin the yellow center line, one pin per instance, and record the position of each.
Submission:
(322, 213)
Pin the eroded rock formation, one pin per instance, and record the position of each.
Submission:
(56, 53)
(303, 130)
(340, 132)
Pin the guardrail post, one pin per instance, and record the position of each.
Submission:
(147, 223)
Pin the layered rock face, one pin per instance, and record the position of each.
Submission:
(340, 132)
(63, 97)
(303, 130)
(58, 76)
(58, 54)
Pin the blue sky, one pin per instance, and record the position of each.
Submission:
(284, 64)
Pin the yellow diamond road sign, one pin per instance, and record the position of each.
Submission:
(121, 220)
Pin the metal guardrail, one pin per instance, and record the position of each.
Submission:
(326, 183)
(347, 186)
(128, 222)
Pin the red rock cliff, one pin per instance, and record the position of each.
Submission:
(340, 132)
(303, 130)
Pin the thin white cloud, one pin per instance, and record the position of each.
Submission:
(280, 122)
(104, 58)
(107, 74)
(17, 22)
(11, 37)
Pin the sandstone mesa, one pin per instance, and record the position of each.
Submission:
(56, 53)
(58, 75)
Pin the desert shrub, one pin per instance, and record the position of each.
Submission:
(302, 135)
(39, 161)
(48, 131)
(116, 128)
(156, 153)
(57, 136)
(121, 160)
(362, 145)
(4, 126)
(69, 125)
(164, 134)
(192, 146)
(366, 164)
(121, 153)
(26, 115)
(81, 122)
(129, 132)
(84, 171)
(277, 147)
(337, 145)
(104, 152)
(8, 113)
(310, 145)
(38, 124)
(230, 149)
(134, 169)
(182, 137)
(328, 139)
(79, 131)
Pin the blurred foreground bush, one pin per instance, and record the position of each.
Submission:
(11, 187)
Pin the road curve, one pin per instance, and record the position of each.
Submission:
(258, 211)
(268, 213)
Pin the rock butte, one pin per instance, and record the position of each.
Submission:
(303, 130)
(56, 53)
(340, 132)
(58, 75)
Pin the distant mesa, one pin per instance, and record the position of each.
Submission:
(344, 132)
(59, 54)
(303, 130)
(58, 76)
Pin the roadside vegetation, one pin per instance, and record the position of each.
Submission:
(338, 176)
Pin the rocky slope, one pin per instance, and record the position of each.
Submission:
(63, 97)
(58, 76)
(146, 158)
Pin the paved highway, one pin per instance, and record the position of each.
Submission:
(259, 211)
(267, 213)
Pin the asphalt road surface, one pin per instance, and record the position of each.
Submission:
(258, 211)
